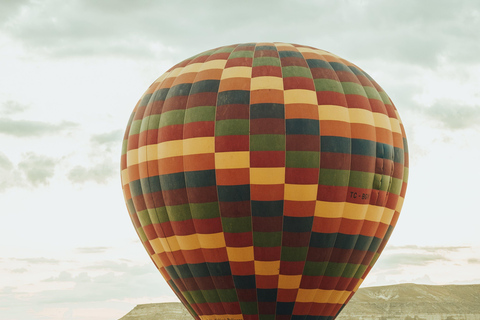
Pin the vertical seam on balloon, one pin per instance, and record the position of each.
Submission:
(386, 237)
(216, 181)
(349, 177)
(179, 294)
(371, 190)
(207, 307)
(318, 175)
(144, 115)
(249, 172)
(310, 304)
(212, 277)
(189, 204)
(395, 215)
(173, 263)
(285, 169)
(141, 187)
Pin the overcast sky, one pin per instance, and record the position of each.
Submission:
(72, 71)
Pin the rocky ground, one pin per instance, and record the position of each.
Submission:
(404, 301)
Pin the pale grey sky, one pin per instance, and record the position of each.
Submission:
(71, 72)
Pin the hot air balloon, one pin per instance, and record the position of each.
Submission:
(264, 180)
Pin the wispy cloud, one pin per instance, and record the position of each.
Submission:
(38, 260)
(454, 115)
(416, 32)
(12, 107)
(119, 281)
(32, 128)
(91, 249)
(428, 248)
(33, 170)
(474, 261)
(19, 270)
(11, 8)
(99, 173)
(107, 137)
(10, 176)
(398, 257)
(38, 169)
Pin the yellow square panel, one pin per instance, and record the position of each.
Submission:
(237, 72)
(326, 209)
(382, 120)
(238, 254)
(232, 160)
(331, 296)
(267, 175)
(300, 96)
(267, 268)
(322, 296)
(357, 115)
(132, 157)
(258, 83)
(374, 213)
(147, 153)
(284, 47)
(157, 260)
(310, 50)
(157, 245)
(212, 240)
(188, 242)
(387, 216)
(174, 73)
(333, 113)
(301, 192)
(199, 145)
(399, 204)
(214, 64)
(192, 67)
(357, 211)
(289, 281)
(395, 125)
(306, 295)
(170, 244)
(169, 149)
(124, 177)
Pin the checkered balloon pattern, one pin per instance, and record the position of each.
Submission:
(264, 180)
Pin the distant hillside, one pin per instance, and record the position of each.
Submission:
(403, 301)
(414, 301)
(158, 311)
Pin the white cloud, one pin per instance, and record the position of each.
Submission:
(12, 107)
(88, 250)
(19, 270)
(107, 138)
(425, 264)
(414, 32)
(455, 115)
(116, 281)
(39, 260)
(38, 169)
(32, 128)
(9, 175)
(99, 173)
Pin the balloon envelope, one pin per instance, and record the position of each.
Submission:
(264, 180)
